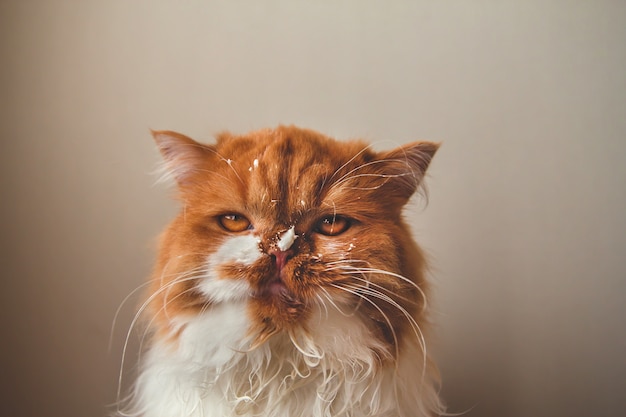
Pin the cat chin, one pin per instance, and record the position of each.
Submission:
(209, 371)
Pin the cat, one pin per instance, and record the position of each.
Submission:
(289, 284)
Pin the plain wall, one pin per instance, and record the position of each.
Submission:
(525, 224)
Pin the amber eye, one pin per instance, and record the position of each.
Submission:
(333, 225)
(234, 222)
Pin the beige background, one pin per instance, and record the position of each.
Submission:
(525, 225)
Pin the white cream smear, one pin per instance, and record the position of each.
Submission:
(255, 165)
(287, 239)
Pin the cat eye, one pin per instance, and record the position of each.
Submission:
(234, 222)
(333, 225)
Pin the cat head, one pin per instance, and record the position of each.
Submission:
(289, 222)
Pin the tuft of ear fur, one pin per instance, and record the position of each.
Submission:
(183, 157)
(406, 166)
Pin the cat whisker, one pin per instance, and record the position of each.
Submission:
(136, 318)
(119, 309)
(125, 300)
(332, 302)
(323, 304)
(414, 325)
(347, 261)
(417, 330)
(349, 175)
(230, 164)
(167, 266)
(323, 184)
(391, 301)
(187, 276)
(372, 289)
(369, 270)
(386, 290)
(162, 309)
(350, 161)
(380, 287)
(391, 328)
(191, 275)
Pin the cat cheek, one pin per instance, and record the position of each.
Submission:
(339, 250)
(238, 251)
(244, 250)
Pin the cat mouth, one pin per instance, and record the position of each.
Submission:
(277, 305)
(274, 288)
(276, 294)
(277, 288)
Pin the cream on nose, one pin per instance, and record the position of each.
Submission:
(286, 240)
(283, 251)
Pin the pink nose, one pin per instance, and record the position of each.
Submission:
(281, 258)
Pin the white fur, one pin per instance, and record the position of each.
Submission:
(330, 370)
(176, 376)
(243, 250)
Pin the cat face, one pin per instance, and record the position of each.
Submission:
(291, 223)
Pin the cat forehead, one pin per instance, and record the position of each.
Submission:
(275, 158)
(297, 146)
(287, 169)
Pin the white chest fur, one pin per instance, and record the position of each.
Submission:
(328, 372)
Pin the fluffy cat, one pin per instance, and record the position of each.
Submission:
(289, 284)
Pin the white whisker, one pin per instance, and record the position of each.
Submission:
(391, 328)
(164, 308)
(136, 318)
(119, 309)
(350, 160)
(330, 300)
(364, 270)
(414, 325)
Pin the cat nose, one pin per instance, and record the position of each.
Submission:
(281, 257)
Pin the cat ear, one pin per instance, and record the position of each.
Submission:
(182, 156)
(406, 166)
